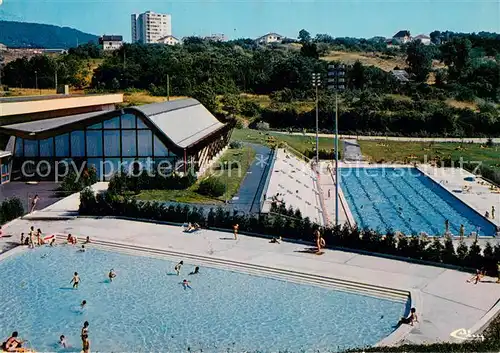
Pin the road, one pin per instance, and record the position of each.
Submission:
(393, 138)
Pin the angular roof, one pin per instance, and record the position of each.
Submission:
(402, 34)
(183, 122)
(422, 36)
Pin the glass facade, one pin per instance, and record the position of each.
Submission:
(108, 145)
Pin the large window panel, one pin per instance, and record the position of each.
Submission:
(112, 123)
(62, 145)
(111, 166)
(31, 148)
(94, 143)
(112, 143)
(19, 151)
(77, 144)
(128, 121)
(97, 163)
(145, 143)
(47, 147)
(140, 124)
(160, 149)
(129, 147)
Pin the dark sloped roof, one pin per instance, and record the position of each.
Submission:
(38, 126)
(402, 34)
(106, 38)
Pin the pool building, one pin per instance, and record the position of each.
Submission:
(38, 134)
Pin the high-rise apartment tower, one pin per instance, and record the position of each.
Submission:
(148, 27)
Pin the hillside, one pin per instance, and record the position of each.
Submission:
(37, 35)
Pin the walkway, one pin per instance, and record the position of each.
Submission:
(394, 138)
(249, 188)
(448, 302)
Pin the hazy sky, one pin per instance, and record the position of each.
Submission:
(244, 18)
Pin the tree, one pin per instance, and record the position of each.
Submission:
(456, 54)
(357, 75)
(309, 50)
(206, 96)
(419, 60)
(435, 37)
(304, 36)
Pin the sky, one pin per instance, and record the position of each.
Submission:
(245, 18)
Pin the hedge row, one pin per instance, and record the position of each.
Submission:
(290, 224)
(11, 209)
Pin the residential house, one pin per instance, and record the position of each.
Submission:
(402, 37)
(168, 40)
(270, 38)
(401, 75)
(218, 37)
(426, 40)
(109, 43)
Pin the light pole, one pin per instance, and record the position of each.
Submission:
(336, 81)
(316, 82)
(36, 80)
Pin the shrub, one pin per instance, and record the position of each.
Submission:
(211, 186)
(235, 144)
(10, 209)
(250, 109)
(262, 125)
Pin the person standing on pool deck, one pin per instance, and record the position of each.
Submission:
(492, 212)
(462, 232)
(235, 231)
(177, 267)
(34, 201)
(75, 280)
(32, 235)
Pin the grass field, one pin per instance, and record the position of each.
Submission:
(298, 142)
(232, 178)
(396, 151)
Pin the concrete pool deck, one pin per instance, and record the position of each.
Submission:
(448, 303)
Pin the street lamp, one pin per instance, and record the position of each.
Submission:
(36, 80)
(316, 82)
(336, 81)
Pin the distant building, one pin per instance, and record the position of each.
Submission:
(426, 40)
(168, 40)
(3, 47)
(52, 51)
(402, 37)
(110, 42)
(270, 38)
(401, 75)
(218, 37)
(149, 27)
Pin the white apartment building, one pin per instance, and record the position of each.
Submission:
(109, 43)
(149, 27)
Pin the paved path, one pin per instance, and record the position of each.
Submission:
(249, 188)
(448, 302)
(394, 138)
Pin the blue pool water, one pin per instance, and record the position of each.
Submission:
(406, 200)
(147, 309)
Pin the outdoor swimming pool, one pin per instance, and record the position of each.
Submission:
(147, 309)
(406, 200)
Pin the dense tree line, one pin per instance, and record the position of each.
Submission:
(205, 70)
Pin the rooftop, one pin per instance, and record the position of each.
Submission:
(402, 34)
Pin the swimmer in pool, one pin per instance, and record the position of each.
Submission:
(75, 280)
(185, 284)
(111, 275)
(63, 342)
(196, 271)
(177, 267)
(82, 305)
(82, 249)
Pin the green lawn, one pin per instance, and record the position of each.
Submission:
(300, 143)
(396, 151)
(232, 178)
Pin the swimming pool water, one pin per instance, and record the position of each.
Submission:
(146, 308)
(406, 200)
